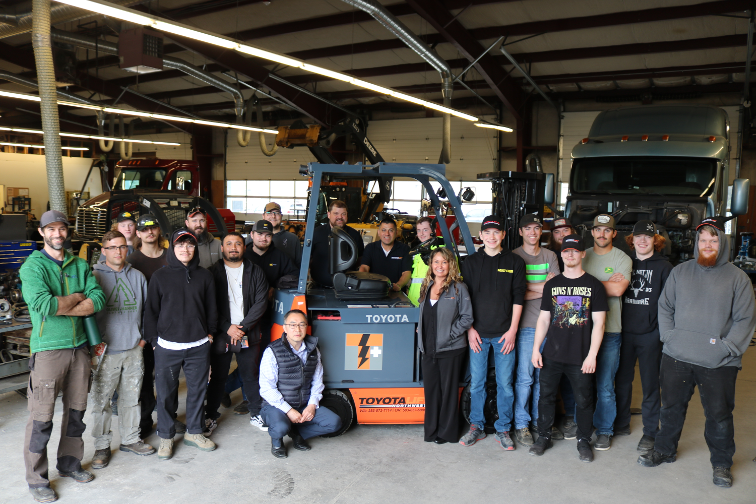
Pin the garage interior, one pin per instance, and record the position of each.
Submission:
(542, 69)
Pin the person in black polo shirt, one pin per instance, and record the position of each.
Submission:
(388, 257)
(337, 217)
(264, 254)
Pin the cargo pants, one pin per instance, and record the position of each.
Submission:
(123, 372)
(52, 372)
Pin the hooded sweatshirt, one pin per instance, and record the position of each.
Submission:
(707, 315)
(640, 303)
(120, 320)
(495, 283)
(208, 250)
(181, 305)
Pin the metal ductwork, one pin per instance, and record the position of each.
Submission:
(16, 24)
(105, 145)
(124, 149)
(392, 24)
(31, 83)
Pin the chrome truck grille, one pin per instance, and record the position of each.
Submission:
(91, 222)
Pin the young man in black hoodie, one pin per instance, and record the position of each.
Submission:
(242, 296)
(640, 332)
(495, 278)
(274, 263)
(180, 318)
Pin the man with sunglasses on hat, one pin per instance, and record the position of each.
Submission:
(208, 248)
(282, 239)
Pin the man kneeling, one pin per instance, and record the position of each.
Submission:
(291, 385)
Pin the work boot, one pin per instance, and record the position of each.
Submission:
(569, 428)
(622, 431)
(140, 448)
(473, 436)
(242, 408)
(654, 458)
(101, 458)
(646, 443)
(556, 434)
(504, 441)
(585, 454)
(524, 437)
(540, 446)
(80, 476)
(179, 426)
(199, 441)
(226, 401)
(165, 450)
(722, 477)
(43, 494)
(299, 442)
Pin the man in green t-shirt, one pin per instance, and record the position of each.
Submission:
(613, 268)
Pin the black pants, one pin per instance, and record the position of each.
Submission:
(582, 387)
(647, 350)
(147, 394)
(168, 364)
(441, 385)
(248, 361)
(717, 390)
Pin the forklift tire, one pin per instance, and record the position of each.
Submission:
(490, 409)
(340, 403)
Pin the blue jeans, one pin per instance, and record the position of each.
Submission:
(607, 363)
(325, 421)
(504, 376)
(234, 382)
(526, 381)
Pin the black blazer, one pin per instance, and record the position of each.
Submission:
(255, 293)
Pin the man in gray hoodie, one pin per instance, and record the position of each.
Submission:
(706, 321)
(122, 367)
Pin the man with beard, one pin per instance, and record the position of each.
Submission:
(242, 298)
(273, 262)
(60, 290)
(283, 240)
(559, 229)
(208, 248)
(388, 256)
(337, 217)
(706, 322)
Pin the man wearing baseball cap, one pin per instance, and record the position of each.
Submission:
(495, 279)
(640, 332)
(126, 224)
(706, 321)
(559, 229)
(285, 241)
(60, 359)
(180, 318)
(612, 267)
(208, 248)
(573, 310)
(263, 253)
(540, 265)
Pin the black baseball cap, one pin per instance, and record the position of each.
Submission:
(491, 222)
(194, 211)
(124, 216)
(529, 219)
(574, 242)
(52, 216)
(644, 227)
(184, 235)
(717, 222)
(263, 226)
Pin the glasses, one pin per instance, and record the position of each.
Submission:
(296, 326)
(122, 247)
(187, 246)
(274, 212)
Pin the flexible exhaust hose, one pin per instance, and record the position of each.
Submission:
(105, 145)
(122, 147)
(243, 136)
(42, 45)
(261, 135)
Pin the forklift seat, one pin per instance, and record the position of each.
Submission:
(342, 255)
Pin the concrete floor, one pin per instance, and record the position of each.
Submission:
(378, 464)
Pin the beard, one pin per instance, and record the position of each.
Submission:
(232, 259)
(54, 246)
(198, 231)
(707, 261)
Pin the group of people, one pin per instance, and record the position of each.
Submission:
(567, 320)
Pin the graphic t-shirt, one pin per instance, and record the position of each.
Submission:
(537, 268)
(571, 303)
(603, 267)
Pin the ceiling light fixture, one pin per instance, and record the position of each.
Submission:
(90, 137)
(12, 144)
(165, 25)
(494, 126)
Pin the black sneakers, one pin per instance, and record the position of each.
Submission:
(541, 445)
(722, 477)
(646, 443)
(654, 458)
(473, 436)
(603, 442)
(585, 453)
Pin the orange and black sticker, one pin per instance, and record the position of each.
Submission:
(363, 352)
(389, 405)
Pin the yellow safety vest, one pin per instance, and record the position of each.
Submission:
(419, 270)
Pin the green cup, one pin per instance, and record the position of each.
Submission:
(93, 332)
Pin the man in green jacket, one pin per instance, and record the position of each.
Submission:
(60, 289)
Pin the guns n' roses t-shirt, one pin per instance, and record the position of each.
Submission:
(571, 302)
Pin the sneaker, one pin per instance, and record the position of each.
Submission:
(722, 477)
(101, 458)
(257, 421)
(80, 476)
(179, 426)
(242, 408)
(524, 437)
(473, 436)
(654, 458)
(603, 442)
(165, 450)
(199, 441)
(210, 426)
(504, 441)
(556, 434)
(646, 443)
(622, 431)
(43, 494)
(585, 454)
(139, 448)
(226, 401)
(569, 428)
(541, 445)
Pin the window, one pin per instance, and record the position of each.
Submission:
(406, 196)
(251, 196)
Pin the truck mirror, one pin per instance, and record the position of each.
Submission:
(548, 191)
(740, 190)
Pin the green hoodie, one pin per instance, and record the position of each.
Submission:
(41, 281)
